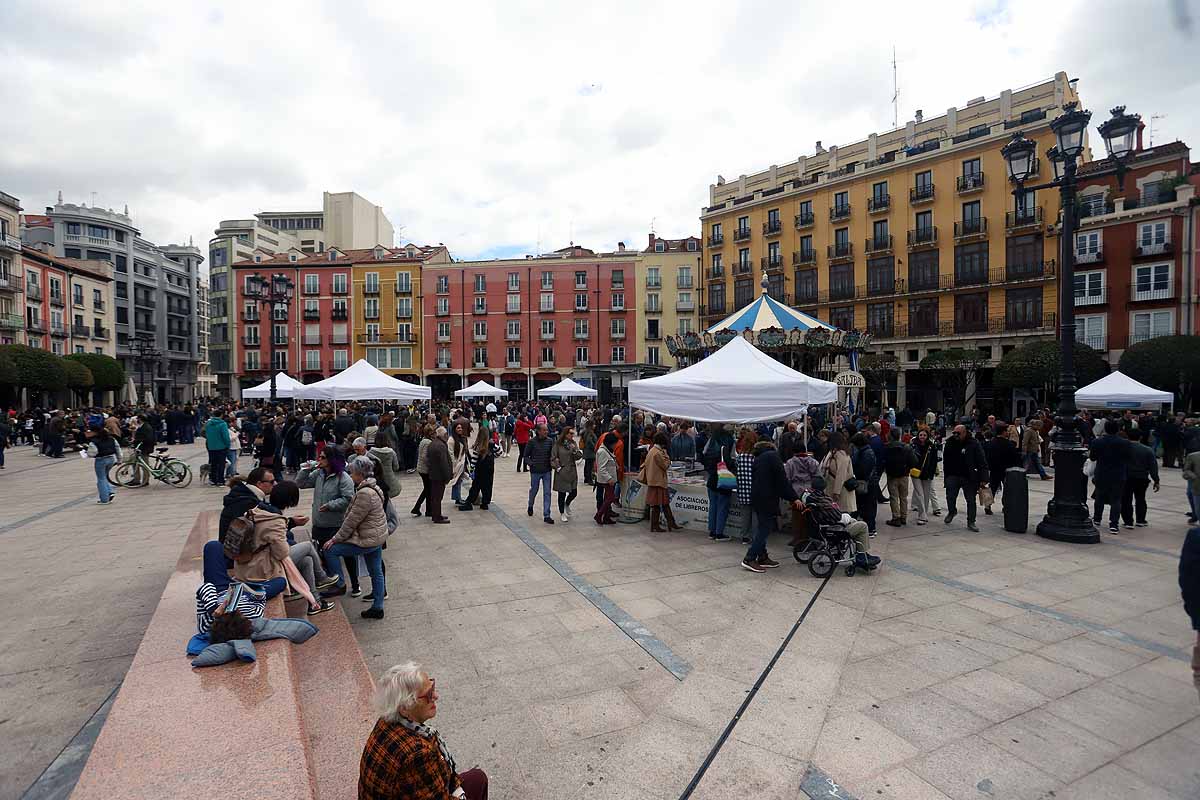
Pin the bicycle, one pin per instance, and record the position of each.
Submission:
(162, 467)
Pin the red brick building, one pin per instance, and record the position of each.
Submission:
(1134, 277)
(523, 324)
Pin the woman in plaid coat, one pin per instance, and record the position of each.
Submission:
(743, 467)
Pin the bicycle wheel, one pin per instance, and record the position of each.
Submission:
(177, 474)
(112, 474)
(124, 475)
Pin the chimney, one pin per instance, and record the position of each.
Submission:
(49, 210)
(919, 115)
(819, 148)
(1140, 128)
(621, 246)
(651, 245)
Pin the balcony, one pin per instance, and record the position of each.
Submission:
(1150, 291)
(58, 331)
(81, 330)
(653, 283)
(37, 326)
(884, 285)
(443, 365)
(683, 282)
(254, 367)
(975, 227)
(250, 341)
(443, 310)
(800, 257)
(841, 292)
(878, 244)
(339, 289)
(806, 295)
(404, 288)
(581, 285)
(547, 335)
(312, 338)
(312, 313)
(479, 336)
(1023, 218)
(772, 227)
(743, 268)
(513, 364)
(11, 322)
(339, 314)
(10, 284)
(445, 337)
(1085, 210)
(1035, 322)
(10, 243)
(548, 363)
(922, 238)
(58, 300)
(885, 330)
(1098, 342)
(879, 203)
(250, 316)
(479, 308)
(973, 278)
(771, 263)
(837, 253)
(716, 240)
(311, 290)
(509, 335)
(371, 289)
(100, 334)
(1090, 257)
(33, 291)
(616, 334)
(339, 338)
(384, 337)
(920, 194)
(581, 307)
(838, 213)
(653, 335)
(741, 234)
(1032, 271)
(99, 306)
(967, 184)
(1145, 336)
(805, 219)
(1092, 296)
(653, 308)
(685, 305)
(1152, 249)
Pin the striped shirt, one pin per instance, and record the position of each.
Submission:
(209, 597)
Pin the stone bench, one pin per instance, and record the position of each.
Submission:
(290, 725)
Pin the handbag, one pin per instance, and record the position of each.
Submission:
(725, 477)
(92, 450)
(1089, 468)
(915, 472)
(985, 496)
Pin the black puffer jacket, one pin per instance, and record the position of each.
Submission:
(965, 460)
(769, 484)
(238, 501)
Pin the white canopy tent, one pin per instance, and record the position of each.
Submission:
(738, 383)
(1117, 390)
(361, 381)
(567, 388)
(481, 389)
(285, 386)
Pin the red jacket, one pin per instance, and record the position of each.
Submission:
(523, 429)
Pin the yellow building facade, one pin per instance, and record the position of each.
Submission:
(912, 235)
(386, 307)
(668, 285)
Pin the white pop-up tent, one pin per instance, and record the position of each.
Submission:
(481, 389)
(567, 388)
(361, 381)
(285, 386)
(1117, 390)
(738, 383)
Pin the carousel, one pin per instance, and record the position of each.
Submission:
(791, 337)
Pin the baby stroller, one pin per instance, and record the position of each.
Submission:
(827, 546)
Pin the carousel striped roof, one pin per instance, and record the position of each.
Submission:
(766, 312)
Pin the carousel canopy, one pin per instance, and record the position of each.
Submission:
(481, 389)
(767, 312)
(285, 386)
(738, 383)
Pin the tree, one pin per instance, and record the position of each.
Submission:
(879, 370)
(1037, 365)
(956, 369)
(1168, 363)
(8, 371)
(78, 376)
(107, 372)
(37, 370)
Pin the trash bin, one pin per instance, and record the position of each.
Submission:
(1016, 500)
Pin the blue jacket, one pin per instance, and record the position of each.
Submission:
(216, 434)
(297, 631)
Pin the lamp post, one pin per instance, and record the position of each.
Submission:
(144, 352)
(1067, 518)
(274, 292)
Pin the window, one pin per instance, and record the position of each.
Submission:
(879, 319)
(1023, 308)
(403, 307)
(684, 278)
(443, 331)
(1091, 205)
(312, 360)
(512, 329)
(618, 301)
(716, 298)
(252, 360)
(841, 282)
(923, 317)
(547, 356)
(339, 309)
(443, 305)
(652, 356)
(581, 329)
(581, 303)
(547, 329)
(879, 194)
(1088, 246)
(74, 228)
(371, 308)
(718, 268)
(774, 259)
(480, 304)
(716, 232)
(479, 329)
(580, 280)
(97, 300)
(654, 275)
(653, 329)
(123, 315)
(480, 282)
(1089, 288)
(922, 270)
(547, 301)
(841, 203)
(97, 232)
(617, 328)
(685, 325)
(443, 357)
(618, 278)
(805, 281)
(971, 166)
(339, 283)
(443, 284)
(743, 292)
(371, 283)
(312, 284)
(339, 335)
(881, 276)
(512, 356)
(691, 245)
(547, 280)
(76, 294)
(1150, 324)
(581, 356)
(390, 357)
(841, 240)
(653, 304)
(1024, 205)
(1153, 237)
(312, 334)
(660, 247)
(806, 249)
(970, 313)
(743, 226)
(403, 282)
(514, 281)
(924, 226)
(279, 334)
(775, 288)
(842, 317)
(618, 354)
(1024, 257)
(1092, 331)
(971, 263)
(805, 215)
(970, 217)
(683, 301)
(773, 223)
(1152, 282)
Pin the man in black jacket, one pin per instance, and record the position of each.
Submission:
(768, 486)
(965, 467)
(1141, 469)
(241, 497)
(1189, 585)
(898, 459)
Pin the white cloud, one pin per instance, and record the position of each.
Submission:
(491, 127)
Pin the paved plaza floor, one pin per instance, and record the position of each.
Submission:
(575, 661)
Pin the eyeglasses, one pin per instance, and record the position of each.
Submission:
(428, 696)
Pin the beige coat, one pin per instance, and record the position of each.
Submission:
(654, 468)
(266, 562)
(836, 469)
(365, 524)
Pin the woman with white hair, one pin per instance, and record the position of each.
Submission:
(404, 757)
(363, 532)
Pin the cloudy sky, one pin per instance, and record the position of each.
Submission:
(501, 127)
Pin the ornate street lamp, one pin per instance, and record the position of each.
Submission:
(1119, 133)
(275, 292)
(1067, 518)
(144, 352)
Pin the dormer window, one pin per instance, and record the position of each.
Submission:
(660, 247)
(380, 253)
(257, 258)
(691, 245)
(412, 253)
(333, 255)
(292, 257)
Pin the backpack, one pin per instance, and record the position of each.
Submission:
(239, 537)
(306, 437)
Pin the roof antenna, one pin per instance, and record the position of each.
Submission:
(1152, 118)
(895, 93)
(652, 221)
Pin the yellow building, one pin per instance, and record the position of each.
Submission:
(668, 279)
(386, 306)
(913, 235)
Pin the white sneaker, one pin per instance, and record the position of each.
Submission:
(566, 518)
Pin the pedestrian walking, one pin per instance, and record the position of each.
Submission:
(606, 480)
(103, 457)
(768, 487)
(743, 469)
(925, 452)
(965, 468)
(1141, 470)
(566, 475)
(898, 461)
(482, 460)
(333, 490)
(1110, 453)
(538, 458)
(1031, 446)
(441, 469)
(217, 442)
(1001, 455)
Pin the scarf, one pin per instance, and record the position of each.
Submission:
(426, 732)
